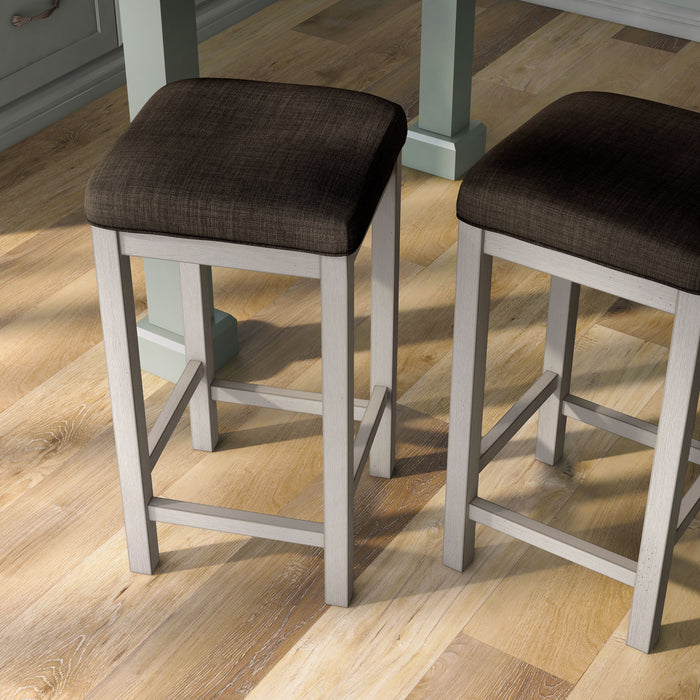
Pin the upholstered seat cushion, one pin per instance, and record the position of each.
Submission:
(287, 166)
(609, 178)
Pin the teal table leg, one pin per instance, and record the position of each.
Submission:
(160, 46)
(446, 142)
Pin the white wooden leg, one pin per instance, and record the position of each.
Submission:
(337, 318)
(558, 358)
(668, 472)
(385, 299)
(196, 312)
(467, 394)
(126, 391)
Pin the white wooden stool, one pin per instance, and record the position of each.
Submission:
(267, 177)
(602, 190)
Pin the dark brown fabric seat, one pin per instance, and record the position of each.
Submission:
(287, 166)
(608, 178)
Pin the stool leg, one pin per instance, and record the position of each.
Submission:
(467, 394)
(126, 391)
(195, 281)
(667, 475)
(558, 357)
(385, 299)
(337, 320)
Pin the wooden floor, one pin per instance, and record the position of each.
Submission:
(227, 616)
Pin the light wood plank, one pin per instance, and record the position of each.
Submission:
(238, 522)
(471, 669)
(673, 670)
(72, 612)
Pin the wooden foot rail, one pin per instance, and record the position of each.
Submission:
(552, 540)
(640, 431)
(239, 522)
(618, 423)
(275, 397)
(243, 522)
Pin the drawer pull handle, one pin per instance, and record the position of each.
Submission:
(19, 20)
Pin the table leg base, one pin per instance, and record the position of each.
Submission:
(446, 156)
(163, 352)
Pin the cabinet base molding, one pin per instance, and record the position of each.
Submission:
(681, 19)
(48, 104)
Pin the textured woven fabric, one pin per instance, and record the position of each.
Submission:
(287, 166)
(609, 178)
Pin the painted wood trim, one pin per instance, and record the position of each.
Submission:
(173, 409)
(447, 49)
(276, 397)
(221, 254)
(558, 264)
(619, 423)
(664, 17)
(87, 83)
(367, 431)
(239, 522)
(516, 416)
(554, 541)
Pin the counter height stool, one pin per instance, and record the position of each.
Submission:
(255, 176)
(602, 190)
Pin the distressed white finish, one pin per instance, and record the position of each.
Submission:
(667, 474)
(337, 316)
(195, 281)
(558, 357)
(239, 522)
(516, 417)
(555, 541)
(467, 394)
(343, 457)
(384, 322)
(668, 513)
(619, 423)
(276, 397)
(365, 438)
(554, 262)
(174, 408)
(126, 392)
(220, 253)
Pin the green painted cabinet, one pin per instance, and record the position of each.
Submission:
(43, 50)
(51, 67)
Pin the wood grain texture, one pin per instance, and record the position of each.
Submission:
(469, 668)
(503, 25)
(537, 61)
(345, 20)
(653, 40)
(229, 614)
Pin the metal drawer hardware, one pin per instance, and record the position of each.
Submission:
(19, 20)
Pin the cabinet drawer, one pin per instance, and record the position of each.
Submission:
(42, 50)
